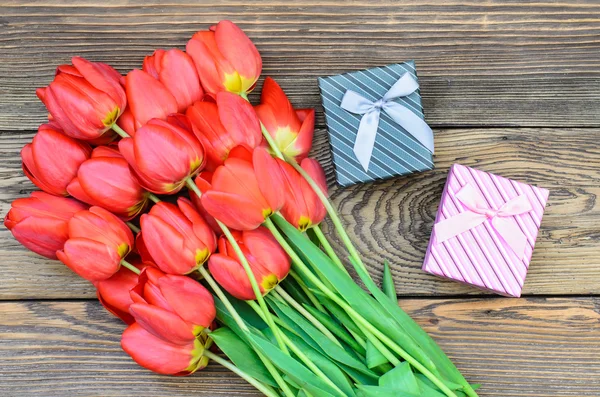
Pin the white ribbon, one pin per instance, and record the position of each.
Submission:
(355, 103)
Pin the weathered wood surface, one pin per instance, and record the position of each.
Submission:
(392, 220)
(499, 62)
(515, 348)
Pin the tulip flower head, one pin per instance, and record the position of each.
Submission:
(268, 261)
(113, 293)
(173, 308)
(161, 356)
(40, 222)
(302, 207)
(97, 243)
(177, 237)
(106, 181)
(52, 159)
(223, 126)
(244, 193)
(177, 72)
(292, 130)
(226, 59)
(163, 156)
(85, 99)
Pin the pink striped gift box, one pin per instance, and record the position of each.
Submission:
(485, 230)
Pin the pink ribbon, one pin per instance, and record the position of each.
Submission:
(478, 212)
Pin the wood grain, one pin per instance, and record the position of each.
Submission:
(493, 63)
(392, 220)
(515, 348)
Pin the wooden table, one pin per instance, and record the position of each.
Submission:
(508, 87)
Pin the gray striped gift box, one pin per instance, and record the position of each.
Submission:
(396, 152)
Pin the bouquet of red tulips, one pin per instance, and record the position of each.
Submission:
(196, 216)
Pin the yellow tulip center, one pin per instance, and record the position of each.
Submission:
(111, 117)
(269, 282)
(303, 223)
(201, 256)
(123, 250)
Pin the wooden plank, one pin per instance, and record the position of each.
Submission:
(515, 348)
(392, 220)
(498, 62)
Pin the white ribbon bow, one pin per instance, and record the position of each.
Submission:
(367, 130)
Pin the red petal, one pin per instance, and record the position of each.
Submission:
(148, 98)
(189, 299)
(235, 211)
(231, 276)
(239, 50)
(90, 259)
(179, 75)
(162, 323)
(239, 119)
(270, 178)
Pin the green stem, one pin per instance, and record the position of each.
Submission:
(277, 320)
(266, 390)
(240, 322)
(313, 320)
(307, 291)
(307, 361)
(153, 198)
(366, 326)
(120, 131)
(130, 266)
(328, 248)
(332, 214)
(249, 273)
(133, 227)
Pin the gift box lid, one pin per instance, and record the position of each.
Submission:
(495, 253)
(396, 152)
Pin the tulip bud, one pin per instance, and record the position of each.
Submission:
(177, 72)
(292, 130)
(113, 293)
(106, 181)
(224, 125)
(177, 237)
(203, 182)
(302, 207)
(268, 261)
(160, 356)
(40, 222)
(163, 156)
(244, 193)
(225, 58)
(173, 308)
(52, 159)
(85, 99)
(98, 240)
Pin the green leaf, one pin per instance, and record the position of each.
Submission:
(291, 323)
(374, 356)
(427, 384)
(303, 377)
(313, 237)
(359, 377)
(387, 284)
(336, 329)
(333, 372)
(360, 301)
(401, 378)
(292, 288)
(378, 391)
(242, 355)
(338, 313)
(327, 346)
(443, 364)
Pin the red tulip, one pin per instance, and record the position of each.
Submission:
(113, 293)
(163, 156)
(225, 58)
(224, 125)
(160, 356)
(84, 99)
(173, 308)
(106, 181)
(291, 129)
(52, 159)
(148, 99)
(176, 70)
(98, 240)
(40, 222)
(177, 237)
(302, 207)
(268, 261)
(245, 193)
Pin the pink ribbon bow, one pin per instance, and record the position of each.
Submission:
(478, 212)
